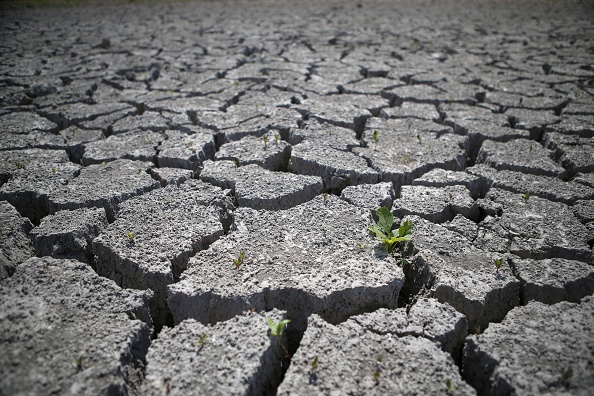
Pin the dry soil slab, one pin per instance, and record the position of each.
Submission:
(66, 330)
(536, 349)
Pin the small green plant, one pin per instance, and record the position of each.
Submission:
(202, 340)
(498, 262)
(239, 260)
(53, 170)
(130, 236)
(138, 171)
(383, 229)
(526, 196)
(80, 363)
(325, 197)
(375, 136)
(277, 329)
(276, 138)
(419, 137)
(361, 246)
(448, 383)
(265, 139)
(566, 376)
(19, 165)
(380, 358)
(314, 363)
(376, 375)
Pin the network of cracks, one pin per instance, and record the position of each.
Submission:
(186, 196)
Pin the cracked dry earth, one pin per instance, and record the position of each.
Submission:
(173, 174)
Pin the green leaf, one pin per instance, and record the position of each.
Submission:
(276, 329)
(405, 229)
(379, 233)
(272, 325)
(386, 219)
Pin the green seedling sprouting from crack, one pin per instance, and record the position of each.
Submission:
(361, 246)
(526, 196)
(383, 229)
(19, 165)
(276, 138)
(202, 340)
(419, 137)
(325, 197)
(277, 330)
(375, 136)
(265, 139)
(498, 262)
(130, 236)
(239, 260)
(53, 170)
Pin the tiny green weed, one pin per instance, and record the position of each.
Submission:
(498, 262)
(448, 384)
(314, 363)
(239, 260)
(265, 139)
(80, 363)
(277, 329)
(383, 229)
(526, 196)
(19, 165)
(376, 376)
(130, 236)
(202, 340)
(375, 136)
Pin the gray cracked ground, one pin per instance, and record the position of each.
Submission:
(184, 171)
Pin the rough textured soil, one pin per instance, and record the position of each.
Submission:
(186, 190)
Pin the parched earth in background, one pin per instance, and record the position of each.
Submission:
(177, 178)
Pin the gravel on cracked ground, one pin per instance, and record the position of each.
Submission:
(296, 197)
